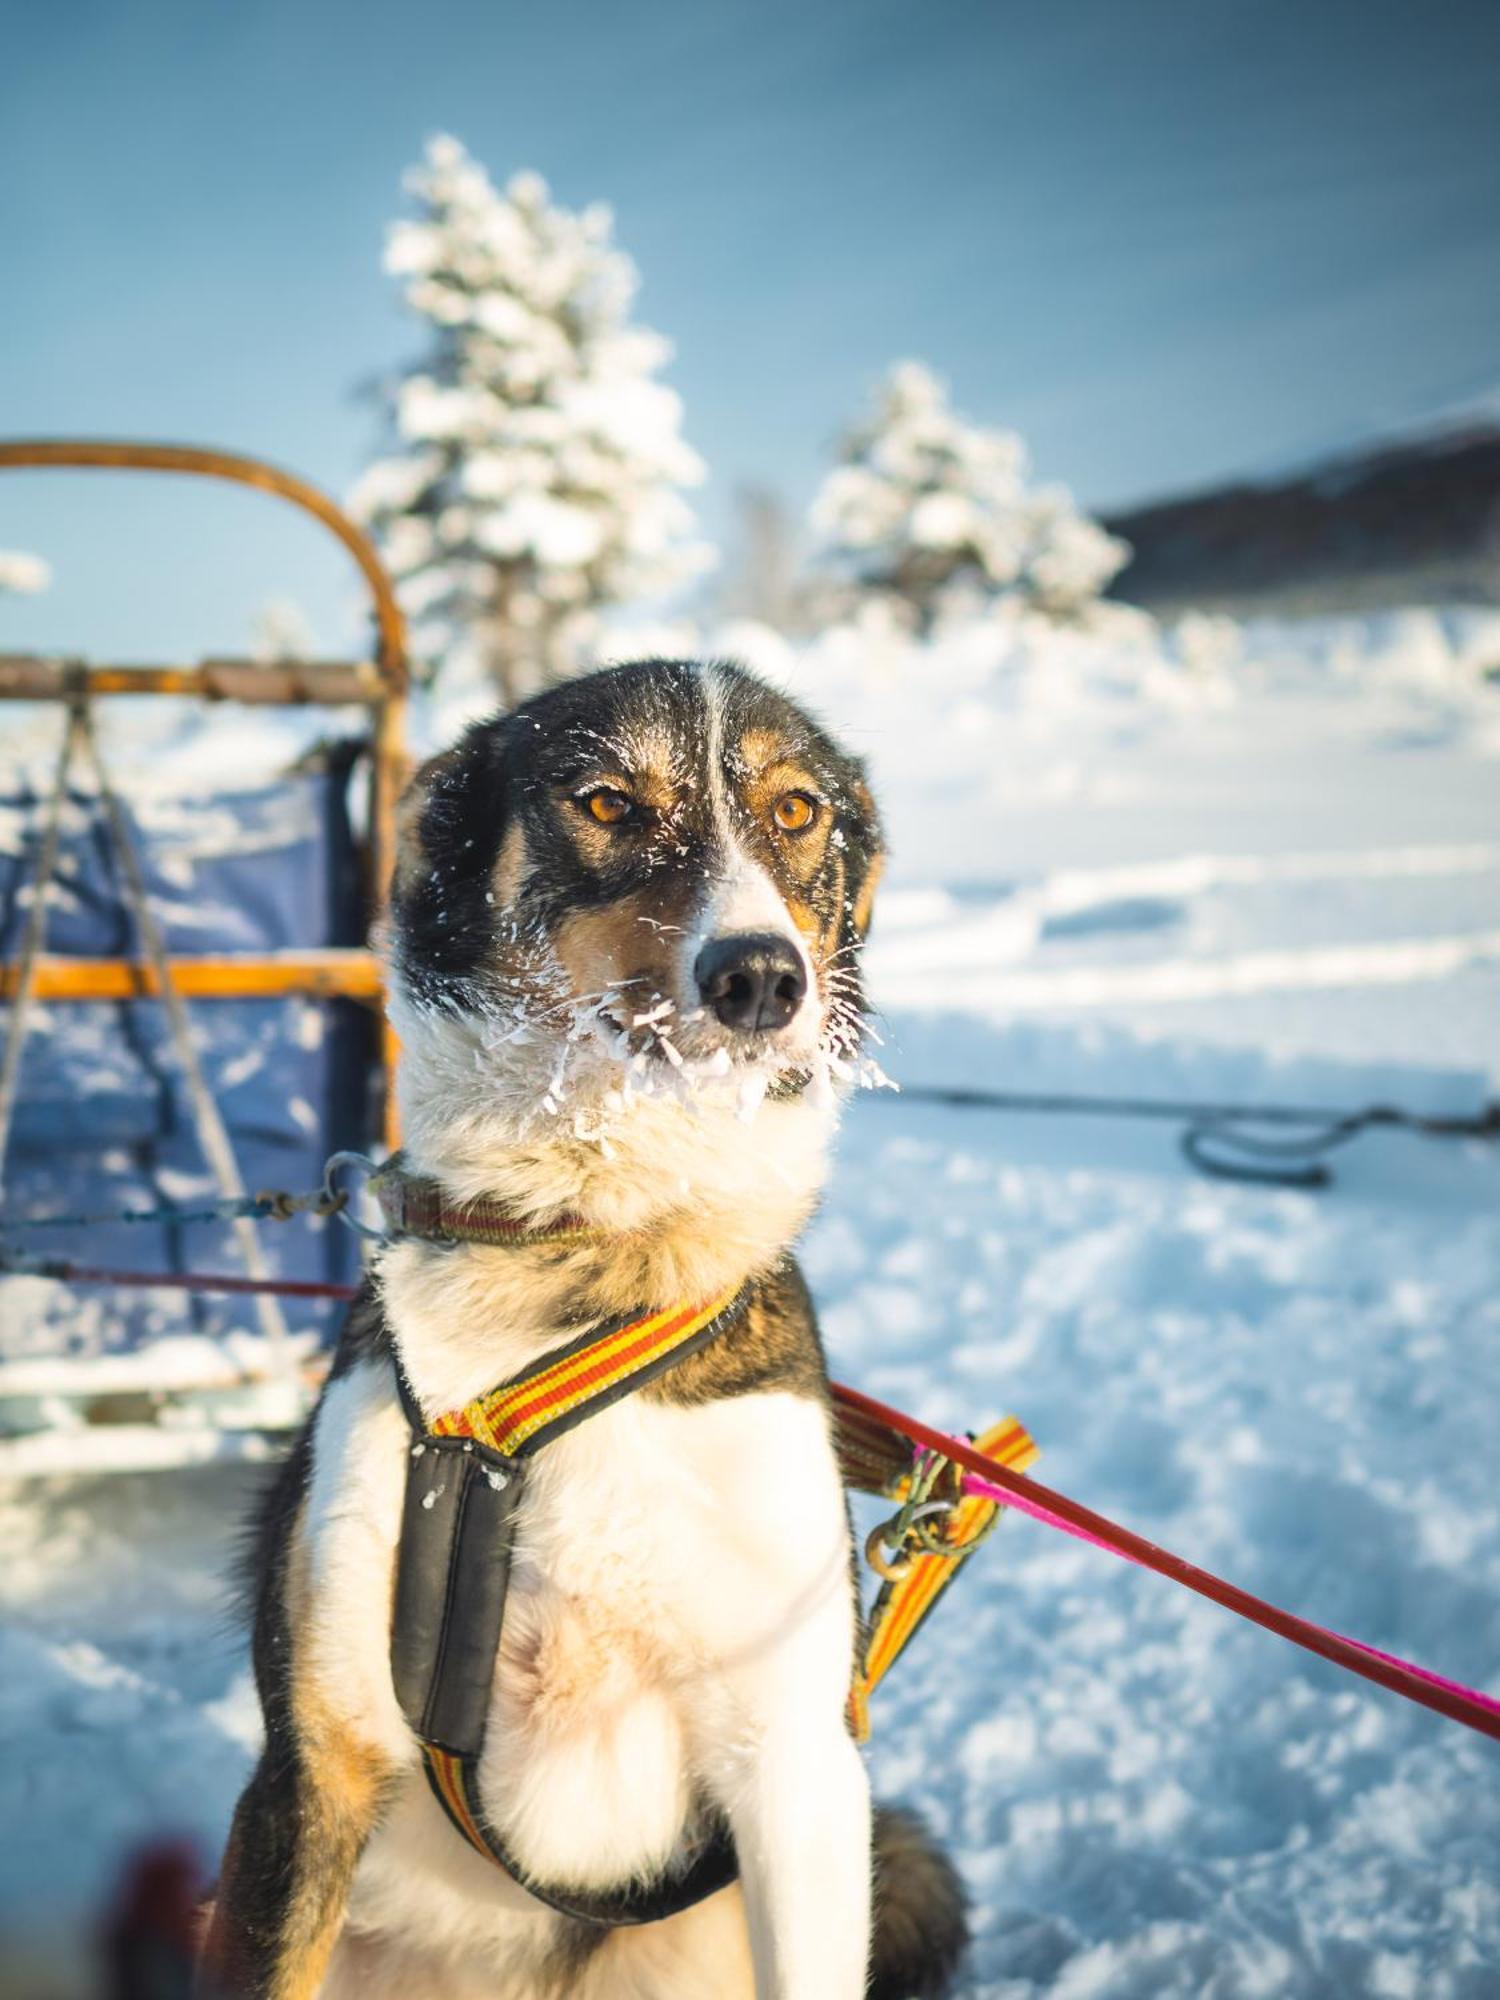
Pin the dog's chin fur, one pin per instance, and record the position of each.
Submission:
(698, 1180)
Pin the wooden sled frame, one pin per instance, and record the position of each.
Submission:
(379, 685)
(131, 1416)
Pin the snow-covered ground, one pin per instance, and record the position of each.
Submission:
(1271, 878)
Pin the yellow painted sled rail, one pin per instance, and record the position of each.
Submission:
(336, 973)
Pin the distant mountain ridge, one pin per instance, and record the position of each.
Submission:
(1410, 521)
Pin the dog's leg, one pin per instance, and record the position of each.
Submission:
(296, 1838)
(334, 1741)
(799, 1802)
(802, 1829)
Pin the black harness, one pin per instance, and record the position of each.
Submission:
(465, 1477)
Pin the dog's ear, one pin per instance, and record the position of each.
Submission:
(864, 847)
(412, 860)
(451, 823)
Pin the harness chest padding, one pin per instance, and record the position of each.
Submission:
(452, 1576)
(464, 1482)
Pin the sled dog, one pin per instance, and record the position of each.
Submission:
(623, 946)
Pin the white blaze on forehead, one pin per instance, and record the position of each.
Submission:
(712, 684)
(739, 894)
(742, 897)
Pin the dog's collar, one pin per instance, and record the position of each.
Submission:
(414, 1206)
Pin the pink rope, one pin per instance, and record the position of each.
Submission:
(1006, 1497)
(1471, 1706)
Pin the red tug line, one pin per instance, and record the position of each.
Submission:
(1469, 1706)
(176, 1281)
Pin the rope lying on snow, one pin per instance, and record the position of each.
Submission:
(987, 1478)
(1213, 1134)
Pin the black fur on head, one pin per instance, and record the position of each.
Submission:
(587, 839)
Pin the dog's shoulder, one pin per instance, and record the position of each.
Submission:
(771, 1346)
(271, 1530)
(365, 1335)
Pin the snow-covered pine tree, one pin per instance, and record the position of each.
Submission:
(539, 469)
(926, 513)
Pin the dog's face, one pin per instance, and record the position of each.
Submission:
(664, 870)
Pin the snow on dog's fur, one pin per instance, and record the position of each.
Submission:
(624, 952)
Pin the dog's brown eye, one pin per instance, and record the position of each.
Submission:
(608, 806)
(795, 812)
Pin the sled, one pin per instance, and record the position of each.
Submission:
(200, 1399)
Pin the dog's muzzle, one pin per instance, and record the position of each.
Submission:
(751, 983)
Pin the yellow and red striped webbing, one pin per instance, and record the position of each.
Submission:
(512, 1418)
(901, 1606)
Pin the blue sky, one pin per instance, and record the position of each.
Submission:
(1167, 240)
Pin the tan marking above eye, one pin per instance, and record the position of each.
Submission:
(795, 812)
(510, 867)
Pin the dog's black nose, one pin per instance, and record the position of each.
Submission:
(752, 981)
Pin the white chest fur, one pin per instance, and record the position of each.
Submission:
(667, 1561)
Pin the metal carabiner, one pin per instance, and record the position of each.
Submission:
(339, 1199)
(895, 1534)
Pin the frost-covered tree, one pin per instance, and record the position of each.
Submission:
(926, 512)
(539, 467)
(23, 574)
